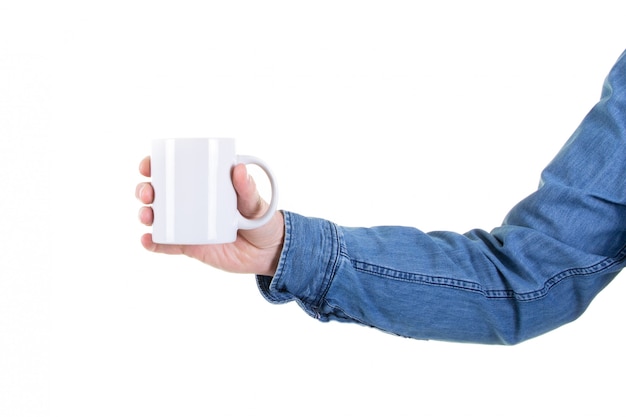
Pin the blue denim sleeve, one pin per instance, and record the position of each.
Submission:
(540, 269)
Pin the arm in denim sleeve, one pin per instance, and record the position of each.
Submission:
(540, 269)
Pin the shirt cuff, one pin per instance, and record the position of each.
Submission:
(307, 263)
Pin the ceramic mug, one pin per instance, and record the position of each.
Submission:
(194, 198)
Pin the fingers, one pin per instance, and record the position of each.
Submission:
(146, 241)
(144, 192)
(146, 216)
(144, 166)
(249, 202)
(194, 251)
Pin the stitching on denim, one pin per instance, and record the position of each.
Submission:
(331, 267)
(281, 263)
(455, 283)
(336, 308)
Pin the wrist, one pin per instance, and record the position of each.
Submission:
(273, 250)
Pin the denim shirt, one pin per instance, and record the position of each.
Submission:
(540, 269)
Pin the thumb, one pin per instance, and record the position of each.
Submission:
(249, 202)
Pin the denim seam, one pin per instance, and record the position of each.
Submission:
(335, 307)
(441, 281)
(331, 269)
(270, 291)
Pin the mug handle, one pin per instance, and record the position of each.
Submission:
(247, 224)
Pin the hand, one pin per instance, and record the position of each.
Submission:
(255, 251)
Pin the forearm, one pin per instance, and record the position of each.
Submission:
(442, 286)
(555, 251)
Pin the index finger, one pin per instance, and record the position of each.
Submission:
(144, 166)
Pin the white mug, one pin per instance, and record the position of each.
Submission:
(194, 198)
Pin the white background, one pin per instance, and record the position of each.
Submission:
(438, 115)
